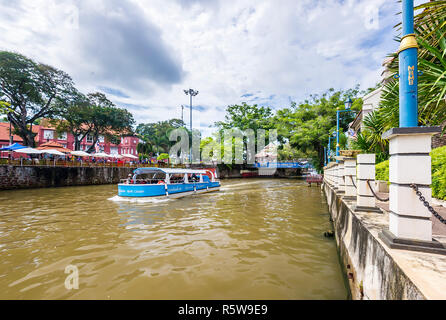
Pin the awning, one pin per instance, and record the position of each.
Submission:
(80, 154)
(29, 151)
(12, 147)
(53, 152)
(126, 155)
(101, 155)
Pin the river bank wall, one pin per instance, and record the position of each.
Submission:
(226, 172)
(375, 271)
(22, 177)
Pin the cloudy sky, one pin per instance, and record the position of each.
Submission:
(142, 54)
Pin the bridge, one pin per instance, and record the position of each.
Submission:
(284, 165)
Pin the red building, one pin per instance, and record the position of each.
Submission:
(46, 133)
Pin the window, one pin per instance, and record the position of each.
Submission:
(89, 138)
(62, 136)
(48, 134)
(101, 138)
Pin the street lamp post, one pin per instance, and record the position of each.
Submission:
(182, 109)
(328, 149)
(191, 93)
(409, 148)
(329, 146)
(325, 156)
(408, 70)
(348, 105)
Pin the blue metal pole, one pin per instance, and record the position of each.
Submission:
(408, 69)
(337, 134)
(329, 148)
(325, 156)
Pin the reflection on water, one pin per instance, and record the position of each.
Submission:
(255, 239)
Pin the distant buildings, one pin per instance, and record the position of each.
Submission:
(46, 133)
(371, 103)
(371, 100)
(267, 154)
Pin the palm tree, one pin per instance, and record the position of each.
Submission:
(430, 29)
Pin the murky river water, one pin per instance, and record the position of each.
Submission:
(255, 239)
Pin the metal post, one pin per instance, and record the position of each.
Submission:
(329, 148)
(410, 225)
(408, 70)
(325, 156)
(182, 109)
(190, 147)
(337, 134)
(191, 93)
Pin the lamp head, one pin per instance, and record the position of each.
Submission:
(348, 103)
(191, 92)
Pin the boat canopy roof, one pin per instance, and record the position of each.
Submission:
(169, 170)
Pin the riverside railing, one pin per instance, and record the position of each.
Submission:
(357, 178)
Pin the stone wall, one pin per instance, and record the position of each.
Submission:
(371, 271)
(16, 177)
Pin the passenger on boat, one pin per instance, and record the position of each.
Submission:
(129, 179)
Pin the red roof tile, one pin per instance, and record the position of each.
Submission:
(4, 132)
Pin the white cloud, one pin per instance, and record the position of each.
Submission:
(152, 50)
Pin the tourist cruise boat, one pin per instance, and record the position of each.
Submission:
(167, 182)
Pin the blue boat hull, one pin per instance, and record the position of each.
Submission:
(158, 190)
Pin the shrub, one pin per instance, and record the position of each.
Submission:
(382, 171)
(439, 173)
(438, 156)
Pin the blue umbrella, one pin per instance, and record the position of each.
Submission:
(12, 147)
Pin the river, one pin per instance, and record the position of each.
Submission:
(254, 239)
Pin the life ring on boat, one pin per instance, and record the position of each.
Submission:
(161, 182)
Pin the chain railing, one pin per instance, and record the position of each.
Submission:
(351, 178)
(426, 204)
(376, 196)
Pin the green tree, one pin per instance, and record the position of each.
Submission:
(156, 135)
(246, 116)
(30, 88)
(306, 126)
(430, 30)
(108, 120)
(75, 116)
